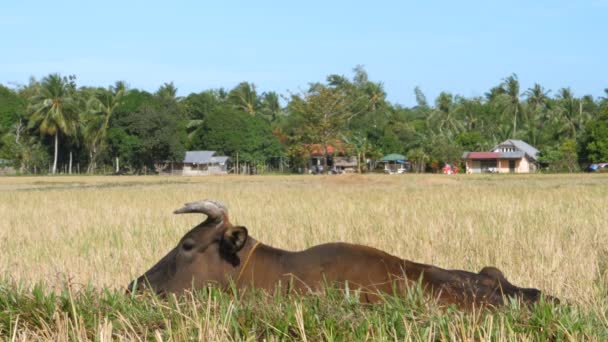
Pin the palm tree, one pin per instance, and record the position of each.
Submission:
(470, 110)
(421, 101)
(375, 94)
(604, 99)
(508, 99)
(362, 146)
(569, 112)
(53, 109)
(244, 97)
(537, 96)
(167, 91)
(501, 132)
(444, 116)
(537, 108)
(100, 108)
(418, 158)
(271, 108)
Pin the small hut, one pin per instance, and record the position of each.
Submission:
(395, 163)
(196, 163)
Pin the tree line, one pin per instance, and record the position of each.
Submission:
(54, 125)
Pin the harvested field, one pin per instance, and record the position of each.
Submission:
(543, 231)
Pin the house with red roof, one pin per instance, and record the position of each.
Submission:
(510, 156)
(338, 158)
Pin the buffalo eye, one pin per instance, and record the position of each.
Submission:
(188, 245)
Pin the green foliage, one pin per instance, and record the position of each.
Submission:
(471, 141)
(561, 159)
(100, 107)
(123, 145)
(54, 109)
(197, 106)
(507, 100)
(130, 103)
(445, 152)
(270, 107)
(332, 315)
(231, 131)
(444, 118)
(596, 142)
(155, 135)
(27, 153)
(97, 125)
(389, 142)
(419, 159)
(245, 98)
(12, 108)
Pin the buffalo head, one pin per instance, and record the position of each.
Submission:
(206, 254)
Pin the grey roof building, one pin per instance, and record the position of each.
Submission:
(514, 145)
(199, 157)
(204, 163)
(510, 156)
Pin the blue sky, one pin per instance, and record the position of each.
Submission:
(464, 47)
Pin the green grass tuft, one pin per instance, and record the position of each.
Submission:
(334, 316)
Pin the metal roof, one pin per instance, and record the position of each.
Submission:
(204, 157)
(512, 155)
(521, 145)
(198, 157)
(219, 159)
(394, 157)
(317, 149)
(481, 155)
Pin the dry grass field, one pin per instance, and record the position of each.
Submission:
(543, 231)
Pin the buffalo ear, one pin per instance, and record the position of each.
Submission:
(234, 239)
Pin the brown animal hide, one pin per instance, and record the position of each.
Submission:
(217, 252)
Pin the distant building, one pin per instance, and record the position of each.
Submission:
(395, 163)
(510, 156)
(338, 159)
(197, 163)
(6, 167)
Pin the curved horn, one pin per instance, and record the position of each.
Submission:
(213, 209)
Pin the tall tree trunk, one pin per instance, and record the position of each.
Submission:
(18, 133)
(515, 123)
(93, 160)
(325, 155)
(56, 152)
(70, 168)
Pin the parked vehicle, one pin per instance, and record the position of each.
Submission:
(597, 167)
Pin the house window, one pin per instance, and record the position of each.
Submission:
(488, 165)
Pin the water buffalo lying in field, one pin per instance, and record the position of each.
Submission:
(218, 252)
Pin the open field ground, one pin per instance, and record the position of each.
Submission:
(75, 236)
